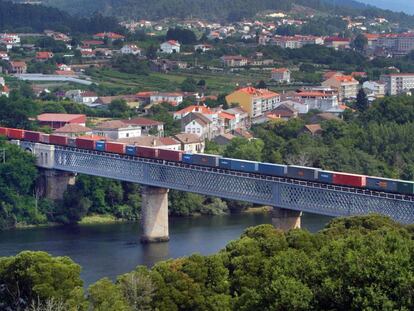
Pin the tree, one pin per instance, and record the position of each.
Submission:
(261, 85)
(189, 85)
(362, 101)
(241, 148)
(184, 36)
(37, 277)
(118, 106)
(151, 52)
(360, 42)
(105, 295)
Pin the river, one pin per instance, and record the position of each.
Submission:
(113, 249)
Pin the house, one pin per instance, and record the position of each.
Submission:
(241, 118)
(283, 111)
(374, 88)
(173, 98)
(58, 120)
(148, 126)
(192, 108)
(4, 56)
(87, 98)
(254, 101)
(223, 139)
(110, 36)
(4, 90)
(321, 99)
(234, 61)
(300, 105)
(203, 47)
(197, 123)
(132, 49)
(281, 75)
(312, 129)
(170, 46)
(117, 129)
(346, 86)
(190, 143)
(398, 83)
(337, 42)
(18, 67)
(43, 56)
(73, 130)
(153, 141)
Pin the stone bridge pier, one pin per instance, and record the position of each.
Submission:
(52, 184)
(286, 219)
(154, 214)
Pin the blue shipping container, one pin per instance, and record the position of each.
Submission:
(225, 163)
(325, 177)
(100, 146)
(130, 150)
(376, 183)
(272, 169)
(244, 166)
(188, 158)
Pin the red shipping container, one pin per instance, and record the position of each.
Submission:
(44, 138)
(4, 131)
(170, 155)
(85, 143)
(32, 136)
(352, 180)
(147, 152)
(58, 140)
(115, 147)
(15, 134)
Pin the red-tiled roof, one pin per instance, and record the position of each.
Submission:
(73, 128)
(44, 55)
(259, 92)
(280, 70)
(59, 117)
(195, 108)
(226, 115)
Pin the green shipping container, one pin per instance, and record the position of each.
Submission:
(405, 187)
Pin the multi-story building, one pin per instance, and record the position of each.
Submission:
(397, 44)
(319, 99)
(398, 83)
(234, 61)
(281, 75)
(174, 98)
(346, 86)
(18, 67)
(254, 101)
(295, 42)
(374, 88)
(191, 143)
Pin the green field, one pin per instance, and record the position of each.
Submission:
(217, 83)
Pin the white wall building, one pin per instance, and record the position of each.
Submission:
(130, 49)
(398, 83)
(374, 88)
(116, 129)
(170, 46)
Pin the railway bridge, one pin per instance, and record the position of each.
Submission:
(288, 197)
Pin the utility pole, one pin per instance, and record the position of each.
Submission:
(3, 155)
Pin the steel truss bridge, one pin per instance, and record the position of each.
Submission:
(254, 188)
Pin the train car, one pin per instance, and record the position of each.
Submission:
(382, 184)
(225, 163)
(405, 187)
(100, 146)
(15, 134)
(302, 172)
(32, 136)
(44, 138)
(115, 147)
(131, 150)
(205, 159)
(4, 131)
(85, 143)
(147, 152)
(325, 177)
(347, 179)
(187, 158)
(71, 142)
(58, 140)
(244, 165)
(170, 155)
(273, 169)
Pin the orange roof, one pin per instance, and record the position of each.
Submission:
(346, 107)
(312, 94)
(65, 72)
(93, 137)
(226, 115)
(345, 79)
(330, 74)
(280, 70)
(110, 35)
(259, 92)
(371, 36)
(44, 55)
(60, 117)
(195, 108)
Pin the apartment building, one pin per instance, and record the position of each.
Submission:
(398, 83)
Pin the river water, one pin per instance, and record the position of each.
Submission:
(113, 249)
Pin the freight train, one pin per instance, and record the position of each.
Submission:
(309, 174)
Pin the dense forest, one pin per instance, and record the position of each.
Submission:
(32, 18)
(219, 10)
(357, 263)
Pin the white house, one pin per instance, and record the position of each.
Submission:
(174, 98)
(117, 129)
(131, 49)
(170, 46)
(82, 97)
(281, 75)
(203, 47)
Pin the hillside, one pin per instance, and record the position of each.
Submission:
(395, 5)
(218, 9)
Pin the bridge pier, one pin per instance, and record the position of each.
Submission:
(55, 183)
(286, 219)
(154, 213)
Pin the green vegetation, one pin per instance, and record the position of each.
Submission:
(356, 263)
